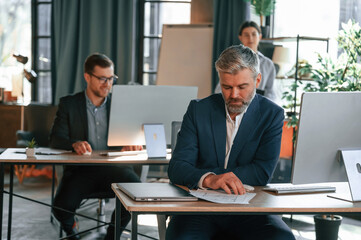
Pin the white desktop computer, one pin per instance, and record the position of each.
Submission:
(133, 106)
(329, 122)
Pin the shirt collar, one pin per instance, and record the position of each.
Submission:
(260, 54)
(91, 105)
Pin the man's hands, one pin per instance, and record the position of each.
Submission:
(132, 148)
(228, 182)
(82, 147)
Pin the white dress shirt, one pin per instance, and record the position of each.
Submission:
(232, 129)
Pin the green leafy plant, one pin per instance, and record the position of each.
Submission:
(340, 74)
(343, 73)
(262, 8)
(32, 143)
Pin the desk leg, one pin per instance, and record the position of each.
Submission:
(10, 200)
(134, 226)
(144, 173)
(52, 193)
(117, 219)
(162, 225)
(2, 175)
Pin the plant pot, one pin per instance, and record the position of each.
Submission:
(326, 227)
(265, 31)
(30, 152)
(290, 114)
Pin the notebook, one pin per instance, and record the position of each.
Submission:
(155, 192)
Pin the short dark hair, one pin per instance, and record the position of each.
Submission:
(247, 24)
(97, 59)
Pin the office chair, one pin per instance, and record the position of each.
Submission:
(100, 228)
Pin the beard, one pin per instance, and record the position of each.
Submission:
(239, 105)
(102, 92)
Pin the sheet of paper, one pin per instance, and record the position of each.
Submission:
(222, 197)
(50, 151)
(46, 151)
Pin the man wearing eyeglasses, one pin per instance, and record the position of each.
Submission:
(81, 125)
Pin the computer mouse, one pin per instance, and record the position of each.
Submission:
(248, 188)
(87, 153)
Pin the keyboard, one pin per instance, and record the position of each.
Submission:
(124, 153)
(299, 189)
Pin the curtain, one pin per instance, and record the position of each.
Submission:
(228, 16)
(82, 27)
(349, 9)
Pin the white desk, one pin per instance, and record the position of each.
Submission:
(262, 203)
(9, 156)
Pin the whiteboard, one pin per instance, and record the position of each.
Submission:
(185, 57)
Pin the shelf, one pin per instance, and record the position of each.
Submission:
(292, 39)
(292, 78)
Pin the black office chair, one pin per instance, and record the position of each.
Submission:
(176, 126)
(102, 198)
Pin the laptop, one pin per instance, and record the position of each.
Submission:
(155, 192)
(155, 140)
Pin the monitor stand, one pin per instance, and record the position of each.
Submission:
(352, 162)
(155, 140)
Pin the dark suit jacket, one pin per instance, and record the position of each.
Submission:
(201, 143)
(71, 121)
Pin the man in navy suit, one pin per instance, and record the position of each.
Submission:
(81, 125)
(227, 140)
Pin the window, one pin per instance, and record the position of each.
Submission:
(157, 13)
(42, 49)
(15, 38)
(308, 18)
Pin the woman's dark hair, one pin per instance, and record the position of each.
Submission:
(247, 24)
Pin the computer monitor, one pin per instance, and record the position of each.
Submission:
(135, 105)
(328, 122)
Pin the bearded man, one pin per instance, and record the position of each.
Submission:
(227, 140)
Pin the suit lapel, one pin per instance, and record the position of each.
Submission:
(83, 114)
(218, 121)
(245, 130)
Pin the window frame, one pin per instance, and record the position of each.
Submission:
(142, 36)
(35, 91)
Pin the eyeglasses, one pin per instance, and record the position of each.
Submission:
(105, 79)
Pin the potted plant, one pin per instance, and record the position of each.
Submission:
(30, 150)
(263, 8)
(341, 74)
(327, 226)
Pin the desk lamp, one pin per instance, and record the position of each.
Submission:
(283, 58)
(31, 76)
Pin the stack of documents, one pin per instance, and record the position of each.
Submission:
(220, 196)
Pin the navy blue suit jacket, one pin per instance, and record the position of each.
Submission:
(201, 143)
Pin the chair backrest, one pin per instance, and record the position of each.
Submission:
(176, 126)
(38, 120)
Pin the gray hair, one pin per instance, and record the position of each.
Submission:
(236, 58)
